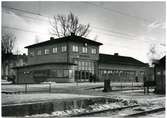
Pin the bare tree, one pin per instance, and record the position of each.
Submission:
(7, 43)
(66, 25)
(153, 53)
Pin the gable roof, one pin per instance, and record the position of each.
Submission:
(72, 38)
(122, 60)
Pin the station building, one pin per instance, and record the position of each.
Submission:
(75, 59)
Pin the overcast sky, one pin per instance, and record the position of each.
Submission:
(127, 28)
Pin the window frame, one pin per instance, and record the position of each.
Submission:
(39, 53)
(94, 51)
(54, 50)
(63, 48)
(32, 54)
(85, 50)
(46, 51)
(75, 48)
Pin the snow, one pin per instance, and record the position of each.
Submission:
(91, 108)
(5, 82)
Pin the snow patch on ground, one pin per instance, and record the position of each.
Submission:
(91, 108)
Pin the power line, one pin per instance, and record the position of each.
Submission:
(25, 11)
(118, 12)
(20, 29)
(32, 13)
(48, 18)
(114, 35)
(112, 31)
(103, 30)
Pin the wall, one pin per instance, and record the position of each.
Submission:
(83, 56)
(136, 71)
(160, 79)
(25, 75)
(45, 58)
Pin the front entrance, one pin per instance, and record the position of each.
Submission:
(84, 76)
(85, 71)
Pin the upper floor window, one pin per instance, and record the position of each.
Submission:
(39, 52)
(63, 48)
(94, 51)
(84, 49)
(75, 48)
(46, 51)
(32, 54)
(55, 50)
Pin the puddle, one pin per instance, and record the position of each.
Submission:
(49, 107)
(64, 107)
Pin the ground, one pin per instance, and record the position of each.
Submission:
(40, 92)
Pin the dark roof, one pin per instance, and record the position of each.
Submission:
(72, 38)
(122, 60)
(161, 62)
(163, 59)
(51, 63)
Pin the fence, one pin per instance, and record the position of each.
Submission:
(25, 88)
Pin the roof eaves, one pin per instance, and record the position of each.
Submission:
(63, 63)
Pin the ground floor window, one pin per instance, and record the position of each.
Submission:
(118, 75)
(51, 73)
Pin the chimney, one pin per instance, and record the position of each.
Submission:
(116, 54)
(72, 34)
(51, 38)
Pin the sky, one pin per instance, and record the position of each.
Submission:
(127, 28)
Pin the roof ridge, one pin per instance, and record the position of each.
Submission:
(68, 38)
(114, 55)
(107, 58)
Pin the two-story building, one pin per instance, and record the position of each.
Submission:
(66, 59)
(74, 59)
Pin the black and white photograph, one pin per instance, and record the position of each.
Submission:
(83, 59)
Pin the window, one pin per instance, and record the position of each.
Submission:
(64, 48)
(53, 73)
(59, 73)
(76, 62)
(84, 49)
(46, 51)
(55, 50)
(105, 72)
(94, 51)
(39, 52)
(163, 72)
(158, 73)
(75, 48)
(65, 73)
(31, 54)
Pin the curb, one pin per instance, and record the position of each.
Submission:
(146, 112)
